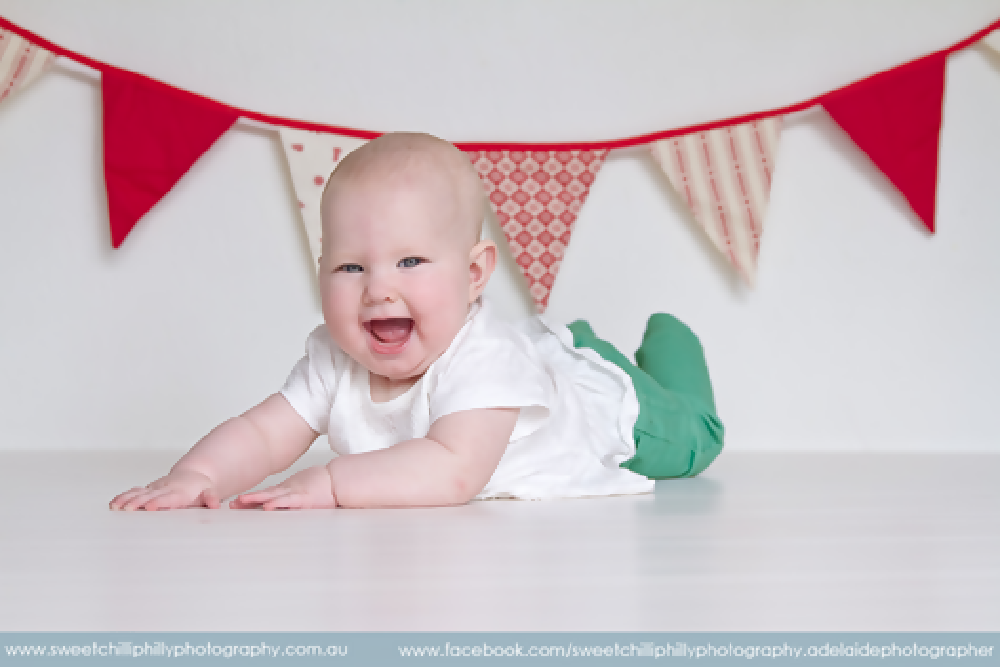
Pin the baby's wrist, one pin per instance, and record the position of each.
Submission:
(333, 489)
(183, 472)
(187, 470)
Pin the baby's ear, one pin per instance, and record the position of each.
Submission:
(482, 261)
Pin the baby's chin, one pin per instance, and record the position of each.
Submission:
(396, 370)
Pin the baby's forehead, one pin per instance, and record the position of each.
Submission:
(412, 157)
(415, 162)
(432, 186)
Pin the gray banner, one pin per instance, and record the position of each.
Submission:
(410, 648)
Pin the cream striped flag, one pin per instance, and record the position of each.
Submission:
(311, 157)
(724, 177)
(21, 62)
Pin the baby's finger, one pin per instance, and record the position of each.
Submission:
(210, 499)
(243, 503)
(139, 501)
(261, 498)
(118, 501)
(168, 500)
(290, 501)
(257, 497)
(162, 501)
(239, 503)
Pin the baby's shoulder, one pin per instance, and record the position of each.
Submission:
(491, 363)
(486, 346)
(488, 332)
(324, 351)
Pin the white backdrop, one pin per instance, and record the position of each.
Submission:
(864, 331)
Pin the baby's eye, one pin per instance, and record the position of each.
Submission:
(410, 262)
(350, 268)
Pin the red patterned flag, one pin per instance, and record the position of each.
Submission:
(895, 117)
(21, 62)
(537, 196)
(153, 133)
(724, 176)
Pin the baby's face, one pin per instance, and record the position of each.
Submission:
(395, 272)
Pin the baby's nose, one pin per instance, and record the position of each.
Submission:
(380, 290)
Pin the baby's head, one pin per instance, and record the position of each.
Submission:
(402, 256)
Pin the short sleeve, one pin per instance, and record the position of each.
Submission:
(495, 368)
(312, 384)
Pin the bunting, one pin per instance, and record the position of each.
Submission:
(21, 62)
(537, 196)
(311, 156)
(895, 117)
(153, 133)
(724, 177)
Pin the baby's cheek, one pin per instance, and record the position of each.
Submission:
(340, 305)
(442, 306)
(443, 289)
(340, 293)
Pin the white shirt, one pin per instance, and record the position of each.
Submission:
(576, 416)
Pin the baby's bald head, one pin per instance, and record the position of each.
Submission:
(415, 158)
(402, 261)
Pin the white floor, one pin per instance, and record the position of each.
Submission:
(760, 541)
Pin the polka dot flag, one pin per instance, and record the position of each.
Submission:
(311, 158)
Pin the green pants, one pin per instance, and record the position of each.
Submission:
(677, 433)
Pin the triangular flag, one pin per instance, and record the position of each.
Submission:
(537, 196)
(724, 176)
(311, 157)
(21, 62)
(153, 133)
(895, 117)
(992, 40)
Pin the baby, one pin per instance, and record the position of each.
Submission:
(426, 397)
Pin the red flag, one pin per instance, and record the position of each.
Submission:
(537, 196)
(153, 133)
(895, 117)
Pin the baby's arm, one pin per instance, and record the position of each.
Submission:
(448, 467)
(235, 456)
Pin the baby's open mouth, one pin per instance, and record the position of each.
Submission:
(389, 336)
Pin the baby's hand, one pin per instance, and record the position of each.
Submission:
(307, 489)
(182, 488)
